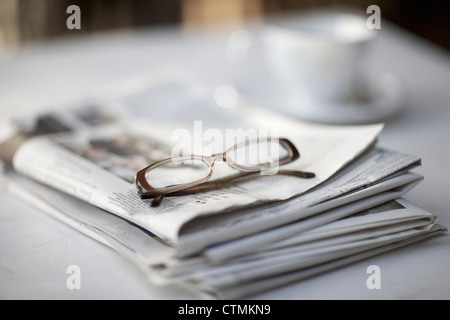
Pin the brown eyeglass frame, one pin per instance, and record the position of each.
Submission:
(147, 191)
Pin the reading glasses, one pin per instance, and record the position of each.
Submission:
(190, 174)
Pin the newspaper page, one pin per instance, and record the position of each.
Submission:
(246, 289)
(177, 268)
(108, 137)
(332, 240)
(390, 219)
(76, 163)
(213, 241)
(85, 217)
(370, 169)
(351, 236)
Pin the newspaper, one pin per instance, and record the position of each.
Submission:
(84, 214)
(245, 289)
(387, 226)
(308, 248)
(79, 166)
(372, 230)
(64, 161)
(176, 269)
(351, 184)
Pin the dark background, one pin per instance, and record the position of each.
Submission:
(22, 21)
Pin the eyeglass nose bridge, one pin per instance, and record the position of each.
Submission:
(217, 156)
(211, 160)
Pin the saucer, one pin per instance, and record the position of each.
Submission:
(381, 97)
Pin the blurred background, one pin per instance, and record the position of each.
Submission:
(25, 21)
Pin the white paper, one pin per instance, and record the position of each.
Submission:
(326, 150)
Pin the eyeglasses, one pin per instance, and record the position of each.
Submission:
(190, 174)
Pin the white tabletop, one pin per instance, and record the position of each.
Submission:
(35, 250)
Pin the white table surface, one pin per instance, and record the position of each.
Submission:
(35, 250)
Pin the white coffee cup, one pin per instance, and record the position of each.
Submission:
(316, 58)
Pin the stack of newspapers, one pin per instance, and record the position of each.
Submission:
(78, 164)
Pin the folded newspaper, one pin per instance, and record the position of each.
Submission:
(233, 241)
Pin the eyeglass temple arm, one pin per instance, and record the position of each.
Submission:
(230, 181)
